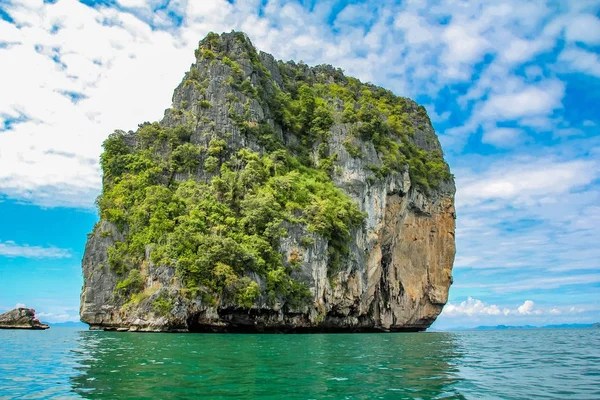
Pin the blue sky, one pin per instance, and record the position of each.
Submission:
(512, 88)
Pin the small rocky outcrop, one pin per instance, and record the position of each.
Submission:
(272, 196)
(21, 318)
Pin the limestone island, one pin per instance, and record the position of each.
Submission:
(272, 197)
(21, 318)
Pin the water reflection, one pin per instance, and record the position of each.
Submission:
(359, 366)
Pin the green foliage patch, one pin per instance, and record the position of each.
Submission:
(213, 232)
(311, 103)
(163, 303)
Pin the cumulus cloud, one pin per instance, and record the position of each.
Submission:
(520, 50)
(528, 101)
(68, 88)
(415, 28)
(584, 28)
(12, 249)
(471, 307)
(436, 117)
(515, 101)
(580, 60)
(526, 308)
(463, 46)
(503, 137)
(474, 307)
(20, 305)
(526, 181)
(354, 14)
(133, 3)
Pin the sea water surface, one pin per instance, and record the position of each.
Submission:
(65, 362)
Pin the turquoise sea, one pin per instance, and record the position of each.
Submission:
(529, 364)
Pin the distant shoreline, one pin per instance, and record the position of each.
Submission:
(519, 327)
(68, 324)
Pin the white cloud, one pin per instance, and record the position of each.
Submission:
(499, 97)
(584, 28)
(20, 305)
(526, 308)
(502, 137)
(11, 249)
(416, 29)
(434, 116)
(354, 13)
(520, 50)
(474, 307)
(588, 123)
(133, 3)
(579, 60)
(525, 181)
(538, 123)
(470, 307)
(464, 46)
(528, 101)
(52, 158)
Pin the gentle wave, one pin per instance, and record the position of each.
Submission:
(63, 362)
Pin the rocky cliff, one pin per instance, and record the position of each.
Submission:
(272, 196)
(21, 318)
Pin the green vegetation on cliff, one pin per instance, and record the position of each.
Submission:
(187, 195)
(214, 231)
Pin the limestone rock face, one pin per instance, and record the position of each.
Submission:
(398, 271)
(21, 318)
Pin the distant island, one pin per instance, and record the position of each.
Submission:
(522, 327)
(21, 318)
(68, 324)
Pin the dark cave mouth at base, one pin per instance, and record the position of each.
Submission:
(259, 330)
(233, 321)
(293, 330)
